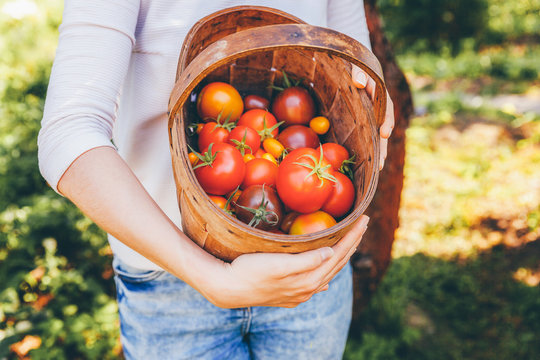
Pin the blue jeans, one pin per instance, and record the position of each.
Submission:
(161, 317)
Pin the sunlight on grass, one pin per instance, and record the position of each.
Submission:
(457, 176)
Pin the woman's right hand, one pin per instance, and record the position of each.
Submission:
(285, 280)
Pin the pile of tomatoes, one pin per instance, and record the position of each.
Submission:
(264, 162)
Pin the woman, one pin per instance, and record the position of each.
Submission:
(111, 79)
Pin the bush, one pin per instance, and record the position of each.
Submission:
(433, 24)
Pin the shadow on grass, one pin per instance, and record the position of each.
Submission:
(430, 308)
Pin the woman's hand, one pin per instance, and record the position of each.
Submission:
(284, 280)
(362, 80)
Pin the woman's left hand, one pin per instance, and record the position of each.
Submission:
(362, 80)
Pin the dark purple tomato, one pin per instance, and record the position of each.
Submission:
(298, 136)
(259, 206)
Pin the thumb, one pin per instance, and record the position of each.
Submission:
(291, 264)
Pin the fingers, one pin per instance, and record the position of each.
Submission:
(356, 233)
(359, 77)
(389, 121)
(383, 153)
(302, 262)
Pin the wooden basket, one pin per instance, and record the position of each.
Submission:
(249, 47)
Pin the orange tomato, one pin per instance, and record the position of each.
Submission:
(248, 157)
(320, 125)
(273, 147)
(199, 128)
(193, 159)
(219, 201)
(312, 222)
(219, 100)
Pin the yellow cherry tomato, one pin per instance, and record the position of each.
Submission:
(270, 157)
(273, 147)
(193, 159)
(248, 157)
(320, 125)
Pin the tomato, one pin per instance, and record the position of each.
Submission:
(305, 180)
(219, 99)
(259, 154)
(287, 221)
(212, 132)
(269, 157)
(193, 159)
(221, 169)
(261, 121)
(259, 206)
(273, 147)
(342, 197)
(310, 223)
(294, 106)
(298, 136)
(335, 154)
(255, 102)
(259, 172)
(248, 157)
(220, 201)
(320, 125)
(245, 139)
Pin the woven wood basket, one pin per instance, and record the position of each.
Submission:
(249, 47)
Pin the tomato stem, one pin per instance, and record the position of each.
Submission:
(207, 159)
(317, 168)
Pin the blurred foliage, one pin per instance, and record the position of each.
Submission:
(417, 25)
(432, 24)
(55, 276)
(471, 200)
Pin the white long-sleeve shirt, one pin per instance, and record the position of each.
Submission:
(112, 76)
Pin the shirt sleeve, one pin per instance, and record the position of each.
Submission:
(348, 17)
(92, 58)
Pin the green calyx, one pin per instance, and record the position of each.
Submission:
(317, 168)
(205, 159)
(227, 125)
(346, 165)
(261, 213)
(241, 145)
(266, 133)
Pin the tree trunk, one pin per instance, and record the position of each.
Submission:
(374, 254)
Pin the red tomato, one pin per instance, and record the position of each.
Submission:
(310, 223)
(259, 172)
(212, 133)
(259, 206)
(221, 170)
(298, 136)
(261, 121)
(342, 197)
(304, 180)
(294, 106)
(335, 154)
(259, 153)
(245, 139)
(255, 102)
(219, 99)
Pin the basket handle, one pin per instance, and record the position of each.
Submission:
(271, 37)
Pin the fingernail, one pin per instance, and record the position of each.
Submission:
(364, 221)
(326, 253)
(361, 79)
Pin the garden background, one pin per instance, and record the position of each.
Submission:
(464, 280)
